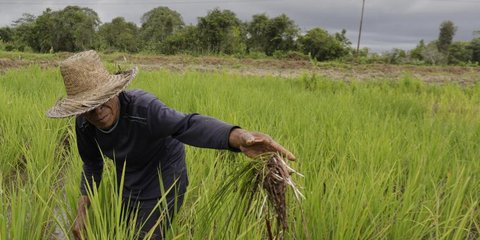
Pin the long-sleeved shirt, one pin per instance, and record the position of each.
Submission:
(149, 138)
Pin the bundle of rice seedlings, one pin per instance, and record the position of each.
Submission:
(276, 179)
(258, 193)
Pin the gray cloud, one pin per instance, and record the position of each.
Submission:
(387, 24)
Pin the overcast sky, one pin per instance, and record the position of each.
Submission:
(387, 23)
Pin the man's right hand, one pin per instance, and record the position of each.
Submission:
(79, 224)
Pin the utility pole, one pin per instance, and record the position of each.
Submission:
(360, 31)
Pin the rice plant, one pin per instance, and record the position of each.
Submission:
(381, 159)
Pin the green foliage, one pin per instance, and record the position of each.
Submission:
(271, 35)
(6, 34)
(221, 32)
(44, 31)
(119, 35)
(70, 29)
(475, 48)
(8, 47)
(290, 55)
(322, 46)
(346, 44)
(256, 55)
(75, 29)
(157, 25)
(432, 55)
(342, 37)
(185, 40)
(459, 52)
(310, 82)
(445, 37)
(416, 53)
(281, 34)
(24, 32)
(395, 56)
(257, 31)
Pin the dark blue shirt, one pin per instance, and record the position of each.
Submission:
(149, 139)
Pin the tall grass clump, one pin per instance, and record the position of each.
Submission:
(257, 190)
(32, 160)
(107, 210)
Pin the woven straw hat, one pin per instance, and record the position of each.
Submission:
(88, 84)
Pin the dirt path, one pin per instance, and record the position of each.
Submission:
(275, 67)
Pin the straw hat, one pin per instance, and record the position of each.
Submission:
(88, 84)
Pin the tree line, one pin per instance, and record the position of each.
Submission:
(163, 31)
(440, 51)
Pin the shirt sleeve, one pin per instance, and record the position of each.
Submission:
(91, 158)
(192, 129)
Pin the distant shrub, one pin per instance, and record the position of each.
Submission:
(257, 55)
(9, 47)
(290, 55)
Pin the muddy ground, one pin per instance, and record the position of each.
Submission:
(275, 67)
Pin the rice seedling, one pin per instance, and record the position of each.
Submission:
(381, 159)
(258, 190)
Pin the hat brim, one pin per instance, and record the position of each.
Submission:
(71, 106)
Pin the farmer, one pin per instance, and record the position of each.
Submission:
(137, 130)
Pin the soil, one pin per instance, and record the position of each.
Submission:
(278, 67)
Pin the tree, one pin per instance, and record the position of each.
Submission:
(221, 32)
(270, 35)
(157, 25)
(459, 52)
(185, 40)
(281, 34)
(445, 37)
(257, 31)
(416, 53)
(475, 48)
(44, 31)
(24, 31)
(321, 45)
(6, 34)
(395, 56)
(71, 29)
(432, 55)
(342, 38)
(119, 35)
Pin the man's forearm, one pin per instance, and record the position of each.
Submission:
(203, 131)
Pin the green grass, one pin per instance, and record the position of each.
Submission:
(381, 159)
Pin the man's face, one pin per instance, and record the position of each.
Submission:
(105, 115)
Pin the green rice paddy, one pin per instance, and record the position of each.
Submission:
(382, 159)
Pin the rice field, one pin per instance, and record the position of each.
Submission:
(381, 159)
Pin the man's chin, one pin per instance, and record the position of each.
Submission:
(103, 125)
